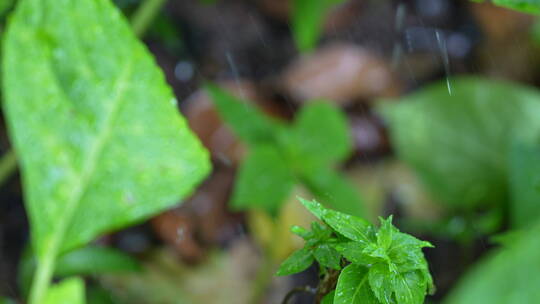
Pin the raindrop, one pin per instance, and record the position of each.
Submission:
(184, 71)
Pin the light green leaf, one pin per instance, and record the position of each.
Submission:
(349, 226)
(69, 291)
(263, 181)
(247, 122)
(327, 256)
(299, 261)
(332, 188)
(506, 276)
(524, 179)
(526, 6)
(353, 286)
(329, 298)
(301, 232)
(457, 137)
(97, 132)
(321, 132)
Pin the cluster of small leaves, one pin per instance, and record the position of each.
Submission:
(384, 265)
(281, 155)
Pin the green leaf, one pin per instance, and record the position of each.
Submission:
(354, 252)
(99, 138)
(95, 260)
(457, 137)
(308, 19)
(299, 261)
(409, 287)
(329, 298)
(69, 291)
(506, 276)
(380, 280)
(385, 233)
(321, 132)
(524, 180)
(327, 256)
(349, 226)
(353, 286)
(331, 187)
(526, 6)
(247, 122)
(263, 181)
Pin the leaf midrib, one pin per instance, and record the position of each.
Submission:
(95, 151)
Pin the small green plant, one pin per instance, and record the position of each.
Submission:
(281, 155)
(376, 265)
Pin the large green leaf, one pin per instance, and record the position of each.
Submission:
(69, 291)
(508, 276)
(526, 6)
(353, 286)
(263, 181)
(524, 181)
(457, 139)
(99, 138)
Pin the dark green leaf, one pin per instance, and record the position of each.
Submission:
(247, 122)
(100, 141)
(381, 282)
(329, 298)
(353, 287)
(69, 291)
(526, 6)
(507, 276)
(263, 181)
(299, 261)
(349, 226)
(524, 179)
(327, 256)
(321, 132)
(457, 137)
(409, 287)
(354, 252)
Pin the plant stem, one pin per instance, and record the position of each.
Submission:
(145, 14)
(8, 165)
(42, 278)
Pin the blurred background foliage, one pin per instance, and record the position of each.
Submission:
(425, 109)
